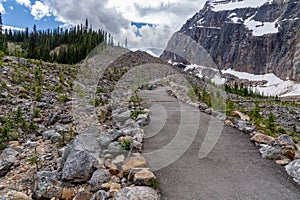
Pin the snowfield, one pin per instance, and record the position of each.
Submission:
(218, 5)
(274, 86)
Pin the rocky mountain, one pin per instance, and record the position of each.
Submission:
(254, 36)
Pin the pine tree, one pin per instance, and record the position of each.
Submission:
(3, 42)
(271, 124)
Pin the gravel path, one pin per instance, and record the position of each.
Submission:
(233, 169)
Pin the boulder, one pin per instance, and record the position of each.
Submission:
(293, 169)
(263, 139)
(269, 151)
(120, 118)
(114, 187)
(100, 195)
(79, 158)
(144, 177)
(288, 151)
(23, 90)
(136, 145)
(245, 126)
(203, 106)
(282, 162)
(240, 115)
(208, 111)
(134, 193)
(68, 194)
(134, 162)
(82, 195)
(51, 135)
(142, 119)
(285, 140)
(7, 159)
(78, 167)
(99, 177)
(13, 195)
(47, 185)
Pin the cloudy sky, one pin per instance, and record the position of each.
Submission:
(146, 24)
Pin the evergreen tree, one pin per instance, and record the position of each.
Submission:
(67, 46)
(271, 124)
(3, 42)
(255, 115)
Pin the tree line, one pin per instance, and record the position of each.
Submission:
(67, 46)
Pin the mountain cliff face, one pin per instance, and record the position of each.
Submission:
(254, 36)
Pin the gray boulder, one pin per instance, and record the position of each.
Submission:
(79, 158)
(142, 119)
(47, 185)
(293, 169)
(7, 159)
(100, 195)
(135, 193)
(51, 135)
(269, 151)
(99, 177)
(120, 118)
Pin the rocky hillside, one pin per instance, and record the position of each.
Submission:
(251, 36)
(45, 153)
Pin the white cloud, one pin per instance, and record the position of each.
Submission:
(24, 2)
(11, 7)
(2, 9)
(115, 16)
(40, 10)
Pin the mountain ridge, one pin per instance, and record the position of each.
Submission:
(257, 40)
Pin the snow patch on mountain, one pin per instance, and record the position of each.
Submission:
(274, 86)
(261, 28)
(221, 5)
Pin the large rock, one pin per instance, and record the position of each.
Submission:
(79, 158)
(240, 115)
(7, 159)
(136, 193)
(134, 162)
(288, 151)
(13, 195)
(269, 152)
(285, 140)
(100, 195)
(51, 135)
(293, 169)
(99, 177)
(263, 139)
(119, 117)
(144, 177)
(245, 126)
(47, 185)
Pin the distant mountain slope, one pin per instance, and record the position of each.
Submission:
(253, 36)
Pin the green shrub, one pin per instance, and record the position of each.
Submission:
(64, 98)
(255, 115)
(38, 93)
(95, 102)
(101, 89)
(125, 143)
(32, 126)
(281, 130)
(36, 113)
(134, 114)
(154, 184)
(270, 157)
(58, 89)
